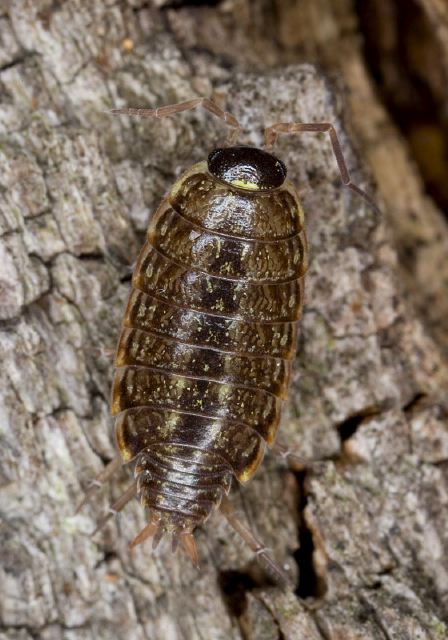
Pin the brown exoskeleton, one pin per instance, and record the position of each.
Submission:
(204, 356)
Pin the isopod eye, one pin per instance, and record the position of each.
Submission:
(247, 168)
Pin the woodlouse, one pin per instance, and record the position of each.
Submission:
(204, 357)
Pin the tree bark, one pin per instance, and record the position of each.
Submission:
(362, 530)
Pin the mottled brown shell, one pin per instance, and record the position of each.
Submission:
(203, 360)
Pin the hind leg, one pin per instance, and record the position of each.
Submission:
(293, 460)
(103, 477)
(262, 552)
(117, 506)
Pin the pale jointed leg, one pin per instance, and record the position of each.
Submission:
(295, 462)
(271, 134)
(117, 506)
(101, 352)
(277, 573)
(100, 479)
(171, 109)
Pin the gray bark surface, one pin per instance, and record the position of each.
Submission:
(365, 526)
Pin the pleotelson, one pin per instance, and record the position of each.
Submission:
(203, 360)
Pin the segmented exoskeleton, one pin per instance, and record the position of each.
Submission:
(204, 356)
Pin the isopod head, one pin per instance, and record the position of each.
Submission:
(247, 168)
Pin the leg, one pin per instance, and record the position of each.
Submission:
(100, 479)
(261, 551)
(117, 506)
(271, 135)
(101, 352)
(171, 109)
(295, 462)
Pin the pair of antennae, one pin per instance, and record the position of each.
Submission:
(270, 133)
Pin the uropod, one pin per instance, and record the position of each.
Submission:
(210, 329)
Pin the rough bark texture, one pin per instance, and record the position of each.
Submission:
(366, 527)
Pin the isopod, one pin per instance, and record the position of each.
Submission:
(204, 357)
